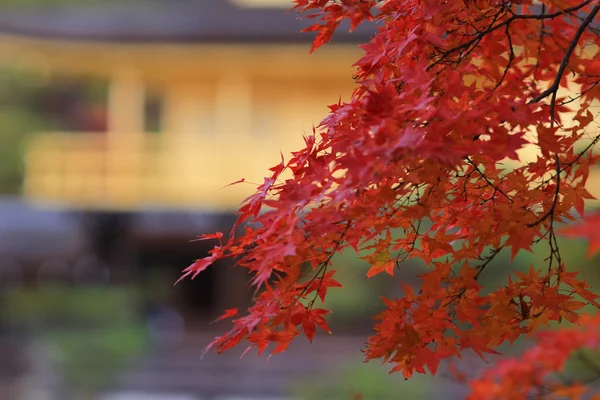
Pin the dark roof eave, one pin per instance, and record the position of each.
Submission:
(190, 39)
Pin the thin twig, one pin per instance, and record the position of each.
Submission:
(553, 89)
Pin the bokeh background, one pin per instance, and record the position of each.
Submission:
(121, 122)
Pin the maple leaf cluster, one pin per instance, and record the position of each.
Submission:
(447, 94)
(538, 367)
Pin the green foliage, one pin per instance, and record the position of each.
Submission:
(18, 118)
(368, 380)
(85, 307)
(359, 299)
(29, 3)
(25, 108)
(583, 366)
(96, 331)
(90, 359)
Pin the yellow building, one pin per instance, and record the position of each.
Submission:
(236, 83)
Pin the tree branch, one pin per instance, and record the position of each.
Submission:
(553, 89)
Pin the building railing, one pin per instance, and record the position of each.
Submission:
(124, 172)
(168, 171)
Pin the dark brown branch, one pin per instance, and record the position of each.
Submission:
(570, 164)
(579, 95)
(323, 266)
(539, 51)
(550, 212)
(484, 176)
(553, 89)
(488, 260)
(506, 22)
(511, 57)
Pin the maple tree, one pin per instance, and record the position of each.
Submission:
(447, 93)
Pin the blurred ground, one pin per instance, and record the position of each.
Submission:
(181, 370)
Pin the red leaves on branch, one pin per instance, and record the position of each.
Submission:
(197, 267)
(423, 163)
(534, 371)
(313, 318)
(330, 14)
(229, 313)
(588, 229)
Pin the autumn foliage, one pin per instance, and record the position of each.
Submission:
(447, 93)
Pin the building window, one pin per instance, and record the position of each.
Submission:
(153, 112)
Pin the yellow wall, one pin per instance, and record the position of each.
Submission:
(228, 119)
(228, 112)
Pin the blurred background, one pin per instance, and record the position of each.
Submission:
(120, 124)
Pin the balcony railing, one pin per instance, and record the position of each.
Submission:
(120, 172)
(127, 172)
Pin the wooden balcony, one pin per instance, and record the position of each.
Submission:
(140, 171)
